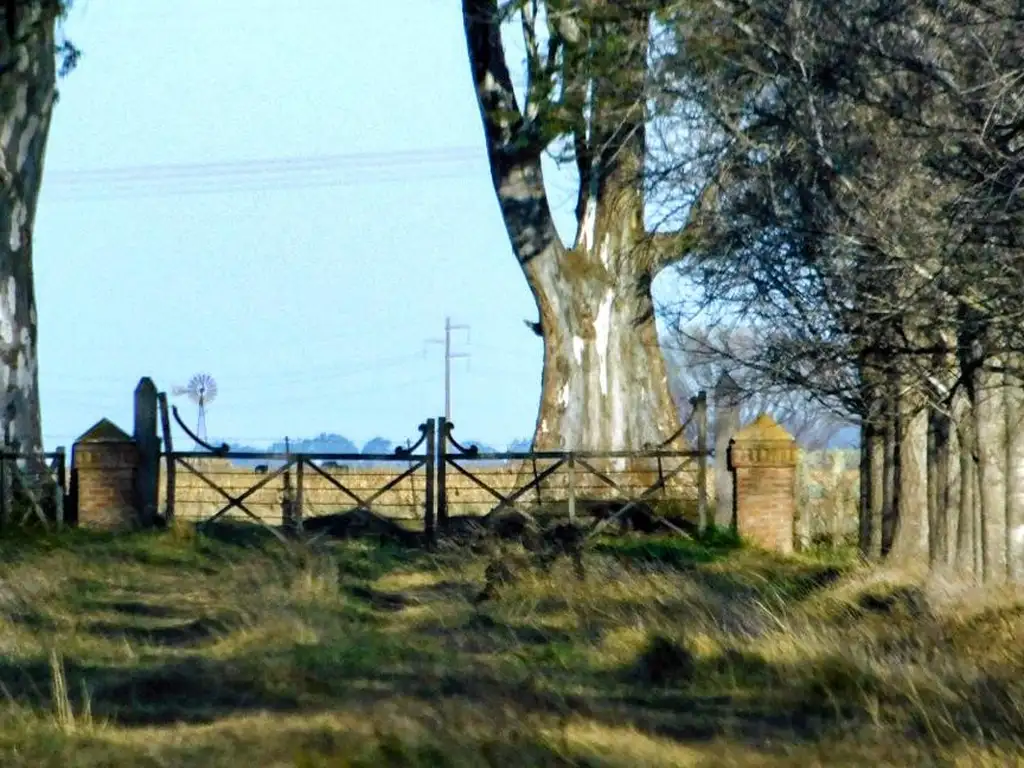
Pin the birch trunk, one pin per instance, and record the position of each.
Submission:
(27, 92)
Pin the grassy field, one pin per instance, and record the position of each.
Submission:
(169, 649)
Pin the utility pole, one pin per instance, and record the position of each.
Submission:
(448, 357)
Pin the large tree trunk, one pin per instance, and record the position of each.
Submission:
(872, 466)
(27, 92)
(990, 428)
(605, 385)
(1015, 469)
(967, 560)
(910, 542)
(951, 513)
(890, 473)
(938, 488)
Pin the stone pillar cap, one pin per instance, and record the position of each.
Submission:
(763, 429)
(104, 431)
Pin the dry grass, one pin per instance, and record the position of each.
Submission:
(178, 650)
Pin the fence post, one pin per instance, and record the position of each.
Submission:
(60, 492)
(147, 476)
(169, 463)
(296, 521)
(5, 487)
(572, 487)
(442, 469)
(727, 424)
(700, 412)
(287, 495)
(429, 523)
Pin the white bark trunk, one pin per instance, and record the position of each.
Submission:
(27, 93)
(951, 514)
(990, 428)
(605, 383)
(1014, 396)
(967, 561)
(910, 542)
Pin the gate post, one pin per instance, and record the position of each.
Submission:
(170, 466)
(429, 522)
(61, 489)
(442, 469)
(572, 487)
(727, 424)
(299, 501)
(700, 413)
(147, 475)
(763, 457)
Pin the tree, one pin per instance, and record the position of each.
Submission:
(605, 384)
(699, 357)
(869, 225)
(29, 50)
(378, 445)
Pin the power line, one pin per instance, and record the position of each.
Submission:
(274, 174)
(448, 357)
(350, 161)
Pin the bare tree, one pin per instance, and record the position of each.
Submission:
(697, 359)
(868, 214)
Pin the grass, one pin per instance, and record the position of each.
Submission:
(172, 649)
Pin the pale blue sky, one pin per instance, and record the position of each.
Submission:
(308, 303)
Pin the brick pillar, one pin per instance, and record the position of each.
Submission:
(104, 462)
(763, 459)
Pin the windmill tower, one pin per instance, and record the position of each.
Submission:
(201, 390)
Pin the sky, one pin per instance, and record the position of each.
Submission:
(290, 197)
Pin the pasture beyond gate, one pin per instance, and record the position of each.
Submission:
(427, 484)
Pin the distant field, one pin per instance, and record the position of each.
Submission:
(161, 650)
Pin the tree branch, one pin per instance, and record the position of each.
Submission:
(513, 155)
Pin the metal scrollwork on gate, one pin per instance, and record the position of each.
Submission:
(220, 450)
(470, 451)
(404, 452)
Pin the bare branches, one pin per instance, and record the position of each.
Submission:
(875, 154)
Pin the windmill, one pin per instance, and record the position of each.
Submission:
(201, 390)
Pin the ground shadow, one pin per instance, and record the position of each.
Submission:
(181, 635)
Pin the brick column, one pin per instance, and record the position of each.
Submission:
(763, 460)
(104, 462)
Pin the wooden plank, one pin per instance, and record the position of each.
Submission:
(337, 484)
(632, 502)
(232, 501)
(34, 505)
(505, 501)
